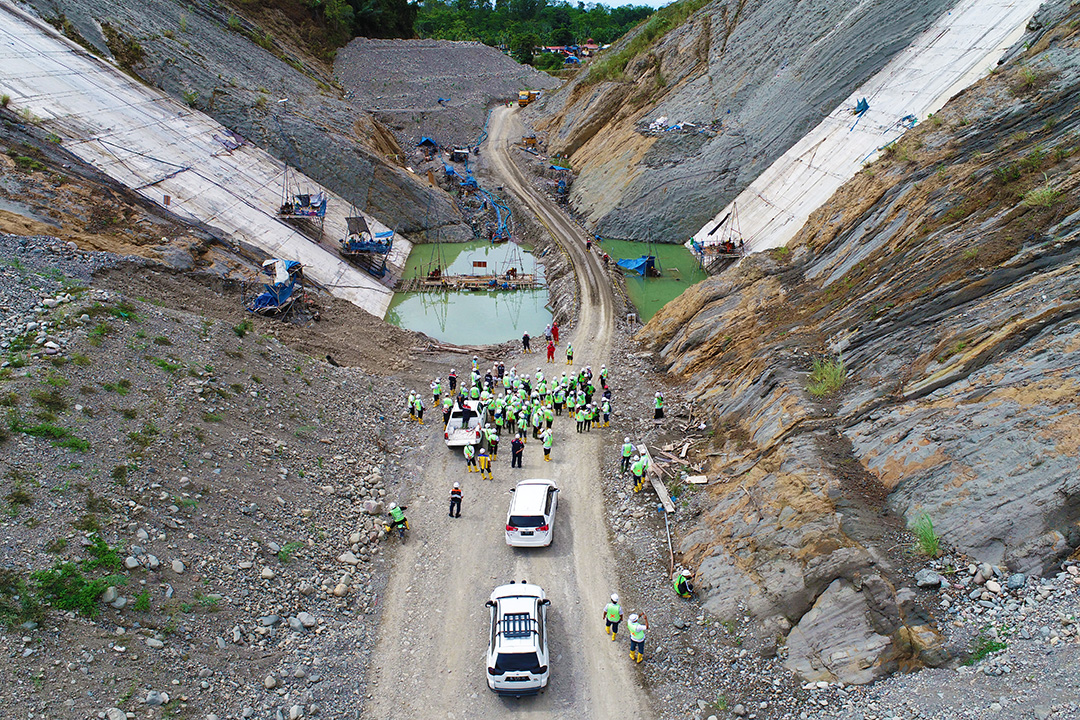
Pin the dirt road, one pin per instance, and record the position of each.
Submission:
(430, 658)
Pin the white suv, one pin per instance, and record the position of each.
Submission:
(517, 657)
(530, 522)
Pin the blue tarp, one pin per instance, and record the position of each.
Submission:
(641, 265)
(274, 297)
(427, 141)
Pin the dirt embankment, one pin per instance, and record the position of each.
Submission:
(907, 358)
(749, 79)
(221, 63)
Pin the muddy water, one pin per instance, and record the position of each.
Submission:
(680, 267)
(472, 318)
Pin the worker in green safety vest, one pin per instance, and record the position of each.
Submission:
(683, 586)
(658, 411)
(470, 458)
(637, 469)
(397, 515)
(637, 627)
(548, 441)
(447, 406)
(612, 616)
(627, 451)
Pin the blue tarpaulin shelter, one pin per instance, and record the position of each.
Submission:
(643, 266)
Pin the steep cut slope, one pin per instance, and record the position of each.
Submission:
(751, 78)
(236, 72)
(946, 277)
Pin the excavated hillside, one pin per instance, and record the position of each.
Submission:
(940, 286)
(220, 62)
(751, 78)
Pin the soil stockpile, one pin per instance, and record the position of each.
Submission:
(749, 78)
(236, 72)
(435, 88)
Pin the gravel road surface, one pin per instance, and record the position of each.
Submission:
(430, 657)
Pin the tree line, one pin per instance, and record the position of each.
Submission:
(520, 25)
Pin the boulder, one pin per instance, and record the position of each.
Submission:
(927, 578)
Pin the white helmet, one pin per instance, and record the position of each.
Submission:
(451, 369)
(475, 358)
(657, 394)
(636, 457)
(392, 506)
(626, 439)
(457, 486)
(633, 618)
(488, 426)
(614, 597)
(603, 367)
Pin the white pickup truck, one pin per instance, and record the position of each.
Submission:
(460, 433)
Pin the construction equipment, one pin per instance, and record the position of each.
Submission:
(277, 297)
(527, 96)
(366, 249)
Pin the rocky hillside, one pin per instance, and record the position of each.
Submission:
(908, 359)
(751, 78)
(225, 65)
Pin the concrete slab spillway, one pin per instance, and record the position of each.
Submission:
(956, 51)
(144, 139)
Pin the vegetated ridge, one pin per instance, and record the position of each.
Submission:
(909, 357)
(750, 78)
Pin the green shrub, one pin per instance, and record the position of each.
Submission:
(243, 328)
(142, 602)
(285, 554)
(612, 64)
(927, 541)
(66, 588)
(102, 555)
(984, 644)
(1042, 197)
(18, 602)
(826, 376)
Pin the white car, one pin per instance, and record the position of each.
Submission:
(517, 656)
(530, 522)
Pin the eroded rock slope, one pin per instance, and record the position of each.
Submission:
(945, 277)
(752, 78)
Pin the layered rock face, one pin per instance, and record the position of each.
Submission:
(946, 277)
(752, 78)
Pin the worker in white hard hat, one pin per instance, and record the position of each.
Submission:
(627, 451)
(637, 630)
(613, 615)
(455, 501)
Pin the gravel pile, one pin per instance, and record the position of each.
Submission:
(436, 88)
(236, 483)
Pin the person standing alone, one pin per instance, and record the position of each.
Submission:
(517, 449)
(525, 342)
(455, 501)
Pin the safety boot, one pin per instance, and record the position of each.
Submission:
(607, 629)
(613, 636)
(640, 657)
(633, 656)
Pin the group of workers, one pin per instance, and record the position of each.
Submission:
(520, 404)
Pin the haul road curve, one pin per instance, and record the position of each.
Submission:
(429, 661)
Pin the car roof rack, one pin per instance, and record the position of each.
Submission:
(517, 625)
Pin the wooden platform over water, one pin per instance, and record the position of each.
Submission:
(470, 282)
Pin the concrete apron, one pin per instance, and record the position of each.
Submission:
(960, 47)
(159, 147)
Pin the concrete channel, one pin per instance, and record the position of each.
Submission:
(161, 148)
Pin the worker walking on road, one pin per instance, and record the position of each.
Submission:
(627, 451)
(549, 439)
(436, 391)
(637, 469)
(470, 458)
(517, 449)
(410, 403)
(493, 441)
(658, 407)
(484, 461)
(569, 354)
(418, 408)
(455, 501)
(612, 616)
(637, 626)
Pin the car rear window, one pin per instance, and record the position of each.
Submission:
(516, 662)
(526, 521)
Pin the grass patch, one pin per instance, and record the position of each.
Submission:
(927, 541)
(243, 328)
(165, 365)
(142, 602)
(826, 376)
(18, 602)
(162, 340)
(1042, 197)
(211, 417)
(984, 644)
(98, 332)
(65, 587)
(102, 555)
(73, 443)
(121, 386)
(51, 400)
(286, 553)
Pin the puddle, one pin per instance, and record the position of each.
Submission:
(680, 267)
(477, 317)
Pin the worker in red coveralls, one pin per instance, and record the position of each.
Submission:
(551, 351)
(555, 332)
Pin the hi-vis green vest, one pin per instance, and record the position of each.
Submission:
(396, 515)
(638, 468)
(659, 402)
(469, 452)
(613, 612)
(637, 631)
(627, 449)
(548, 439)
